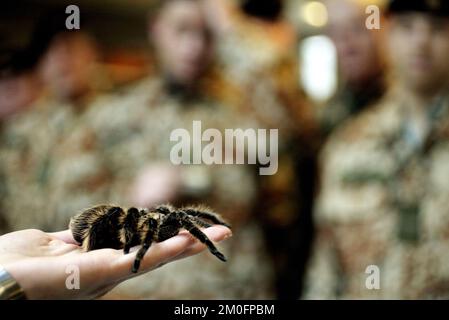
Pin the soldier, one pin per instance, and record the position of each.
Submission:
(360, 61)
(383, 211)
(257, 52)
(133, 132)
(19, 84)
(36, 144)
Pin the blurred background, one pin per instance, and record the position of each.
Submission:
(86, 116)
(119, 29)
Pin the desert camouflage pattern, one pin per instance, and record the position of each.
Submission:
(134, 128)
(44, 156)
(384, 201)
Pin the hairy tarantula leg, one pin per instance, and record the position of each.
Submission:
(152, 225)
(140, 255)
(126, 248)
(206, 215)
(130, 229)
(201, 223)
(190, 226)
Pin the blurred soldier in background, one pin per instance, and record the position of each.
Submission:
(133, 131)
(19, 83)
(383, 211)
(19, 88)
(360, 60)
(257, 53)
(69, 68)
(33, 143)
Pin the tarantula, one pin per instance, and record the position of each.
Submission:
(107, 226)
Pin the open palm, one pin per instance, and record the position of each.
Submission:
(42, 262)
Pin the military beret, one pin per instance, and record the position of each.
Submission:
(434, 7)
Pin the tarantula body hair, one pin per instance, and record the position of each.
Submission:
(109, 226)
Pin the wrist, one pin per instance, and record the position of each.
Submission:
(9, 287)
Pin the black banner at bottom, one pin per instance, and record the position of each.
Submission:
(225, 309)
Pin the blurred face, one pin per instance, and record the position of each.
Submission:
(419, 48)
(67, 65)
(357, 47)
(16, 93)
(182, 41)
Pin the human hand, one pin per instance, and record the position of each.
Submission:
(39, 261)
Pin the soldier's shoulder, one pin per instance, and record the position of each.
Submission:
(27, 120)
(377, 121)
(357, 144)
(355, 164)
(138, 87)
(118, 104)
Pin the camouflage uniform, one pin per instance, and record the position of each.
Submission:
(259, 59)
(132, 131)
(384, 202)
(41, 150)
(349, 102)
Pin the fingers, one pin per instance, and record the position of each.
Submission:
(111, 266)
(216, 234)
(65, 236)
